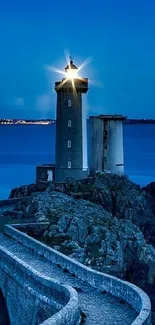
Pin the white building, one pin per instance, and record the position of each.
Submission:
(105, 144)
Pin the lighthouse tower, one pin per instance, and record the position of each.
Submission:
(69, 161)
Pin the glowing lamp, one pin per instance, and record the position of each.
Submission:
(71, 71)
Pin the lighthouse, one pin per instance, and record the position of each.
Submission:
(69, 160)
(105, 135)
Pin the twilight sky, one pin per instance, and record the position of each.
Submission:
(118, 35)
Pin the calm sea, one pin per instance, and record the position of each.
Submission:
(22, 147)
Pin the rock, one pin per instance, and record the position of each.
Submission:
(41, 217)
(150, 189)
(52, 232)
(110, 226)
(27, 190)
(32, 208)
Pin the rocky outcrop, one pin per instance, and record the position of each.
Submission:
(102, 228)
(120, 196)
(106, 222)
(26, 190)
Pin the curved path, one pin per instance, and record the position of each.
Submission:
(99, 308)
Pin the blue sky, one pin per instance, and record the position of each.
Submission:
(118, 35)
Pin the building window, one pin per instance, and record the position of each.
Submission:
(69, 123)
(69, 144)
(69, 164)
(69, 103)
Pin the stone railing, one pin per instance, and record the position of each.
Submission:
(130, 293)
(62, 298)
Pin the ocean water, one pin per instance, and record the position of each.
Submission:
(22, 147)
(139, 152)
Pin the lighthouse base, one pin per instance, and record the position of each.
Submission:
(63, 174)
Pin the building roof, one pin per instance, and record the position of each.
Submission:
(110, 117)
(71, 65)
(113, 117)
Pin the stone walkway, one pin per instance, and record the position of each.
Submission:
(99, 308)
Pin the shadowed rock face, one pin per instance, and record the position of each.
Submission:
(105, 222)
(150, 188)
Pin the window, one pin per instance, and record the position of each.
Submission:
(69, 144)
(69, 123)
(69, 164)
(69, 103)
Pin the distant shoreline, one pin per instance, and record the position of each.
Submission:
(26, 122)
(139, 121)
(51, 121)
